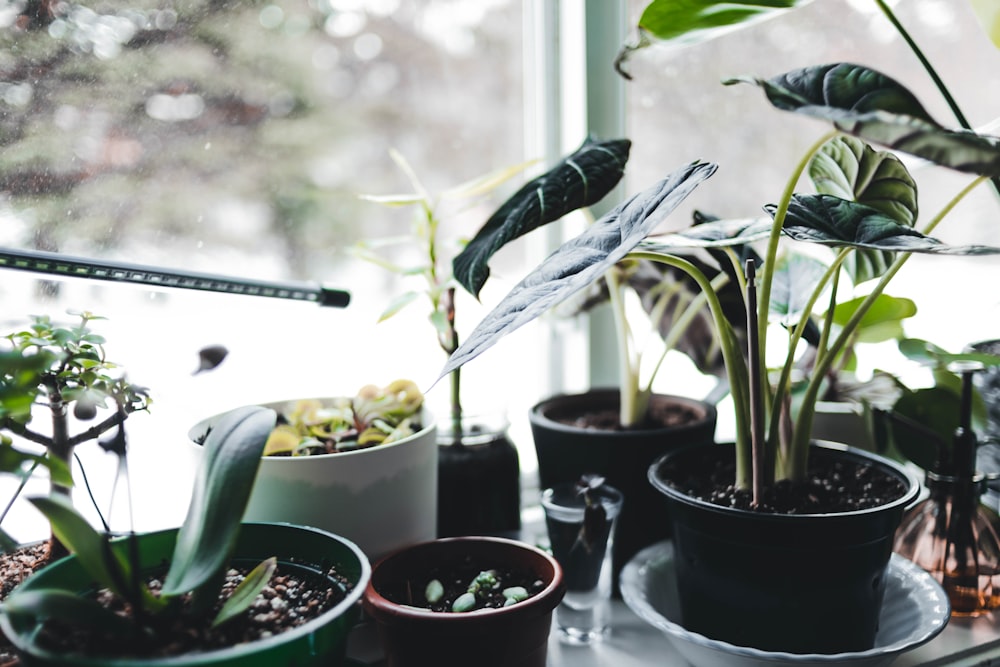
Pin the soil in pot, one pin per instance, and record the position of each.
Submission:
(293, 597)
(15, 567)
(834, 484)
(459, 578)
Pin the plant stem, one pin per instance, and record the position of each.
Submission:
(803, 426)
(731, 352)
(631, 406)
(938, 82)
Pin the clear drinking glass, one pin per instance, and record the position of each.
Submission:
(581, 531)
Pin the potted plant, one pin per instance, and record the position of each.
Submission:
(65, 371)
(479, 468)
(213, 592)
(465, 600)
(374, 452)
(773, 438)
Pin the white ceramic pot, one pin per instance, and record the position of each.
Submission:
(381, 498)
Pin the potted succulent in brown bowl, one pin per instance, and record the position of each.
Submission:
(465, 600)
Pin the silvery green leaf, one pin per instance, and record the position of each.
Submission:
(795, 277)
(581, 261)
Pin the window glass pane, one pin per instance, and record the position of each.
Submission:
(679, 111)
(235, 138)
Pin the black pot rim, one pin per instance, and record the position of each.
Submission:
(611, 395)
(908, 498)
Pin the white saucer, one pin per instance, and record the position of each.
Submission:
(915, 609)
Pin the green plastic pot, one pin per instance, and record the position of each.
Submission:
(321, 641)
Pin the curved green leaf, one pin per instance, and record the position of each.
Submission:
(882, 321)
(692, 21)
(581, 261)
(69, 608)
(14, 460)
(244, 594)
(581, 179)
(833, 221)
(875, 107)
(988, 13)
(231, 456)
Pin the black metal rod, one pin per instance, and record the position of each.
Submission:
(68, 266)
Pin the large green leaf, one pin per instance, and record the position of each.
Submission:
(833, 221)
(581, 261)
(579, 180)
(691, 21)
(868, 104)
(70, 609)
(848, 168)
(231, 456)
(14, 460)
(881, 322)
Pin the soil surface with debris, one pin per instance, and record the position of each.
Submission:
(289, 601)
(834, 484)
(661, 414)
(455, 580)
(15, 567)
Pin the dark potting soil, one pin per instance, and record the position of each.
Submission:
(455, 579)
(288, 601)
(660, 415)
(15, 566)
(833, 484)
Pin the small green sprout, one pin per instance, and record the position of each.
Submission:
(514, 594)
(464, 602)
(434, 591)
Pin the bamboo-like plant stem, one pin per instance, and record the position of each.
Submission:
(757, 444)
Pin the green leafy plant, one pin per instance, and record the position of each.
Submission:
(375, 416)
(64, 370)
(578, 180)
(205, 542)
(860, 102)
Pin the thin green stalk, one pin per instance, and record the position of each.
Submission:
(931, 72)
(803, 426)
(630, 403)
(683, 322)
(764, 293)
(731, 353)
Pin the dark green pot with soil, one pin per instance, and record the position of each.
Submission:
(566, 451)
(310, 554)
(797, 583)
(479, 478)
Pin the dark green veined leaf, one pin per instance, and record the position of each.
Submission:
(711, 234)
(230, 458)
(795, 277)
(691, 21)
(871, 105)
(848, 168)
(833, 221)
(581, 179)
(244, 594)
(69, 608)
(581, 261)
(882, 321)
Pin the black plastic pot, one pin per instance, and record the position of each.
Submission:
(622, 457)
(782, 582)
(479, 479)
